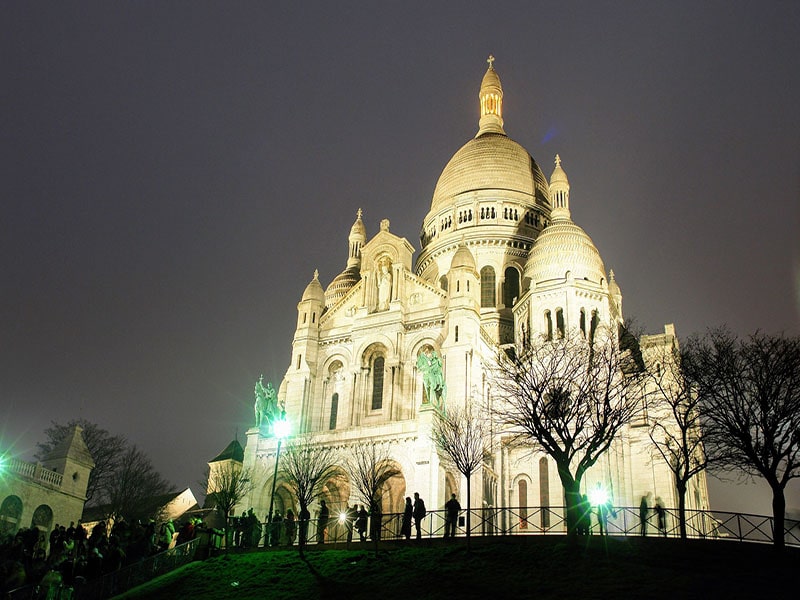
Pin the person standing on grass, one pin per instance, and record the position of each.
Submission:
(361, 523)
(451, 510)
(419, 513)
(408, 513)
(643, 512)
(661, 517)
(322, 521)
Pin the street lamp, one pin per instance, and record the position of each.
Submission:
(281, 430)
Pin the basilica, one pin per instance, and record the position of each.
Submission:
(394, 337)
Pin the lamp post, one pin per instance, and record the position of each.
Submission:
(281, 430)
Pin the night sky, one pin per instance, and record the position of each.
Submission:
(173, 172)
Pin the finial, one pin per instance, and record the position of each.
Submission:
(490, 60)
(558, 161)
(611, 274)
(358, 214)
(316, 273)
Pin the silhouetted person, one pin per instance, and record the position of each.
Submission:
(322, 521)
(290, 527)
(451, 510)
(661, 517)
(361, 523)
(408, 514)
(275, 529)
(643, 512)
(304, 518)
(351, 514)
(375, 522)
(603, 511)
(419, 513)
(584, 516)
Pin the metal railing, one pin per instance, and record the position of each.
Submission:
(624, 521)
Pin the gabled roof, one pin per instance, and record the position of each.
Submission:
(72, 446)
(233, 451)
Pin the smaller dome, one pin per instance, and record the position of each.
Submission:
(463, 258)
(341, 284)
(564, 247)
(314, 290)
(613, 286)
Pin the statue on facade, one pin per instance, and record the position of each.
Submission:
(266, 407)
(429, 364)
(384, 286)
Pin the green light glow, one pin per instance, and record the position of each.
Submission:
(281, 428)
(598, 496)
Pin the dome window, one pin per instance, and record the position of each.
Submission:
(488, 298)
(511, 287)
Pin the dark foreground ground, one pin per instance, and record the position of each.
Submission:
(494, 569)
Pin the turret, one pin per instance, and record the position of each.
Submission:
(71, 458)
(491, 101)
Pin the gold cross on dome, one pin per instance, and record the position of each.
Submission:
(490, 60)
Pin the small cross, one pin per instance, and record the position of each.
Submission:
(359, 213)
(558, 160)
(490, 60)
(316, 276)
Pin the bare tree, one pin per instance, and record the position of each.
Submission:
(226, 485)
(569, 397)
(306, 466)
(750, 391)
(370, 468)
(461, 436)
(675, 415)
(106, 450)
(134, 484)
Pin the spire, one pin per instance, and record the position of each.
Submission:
(491, 102)
(357, 238)
(559, 192)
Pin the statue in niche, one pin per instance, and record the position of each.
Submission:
(266, 407)
(384, 284)
(429, 364)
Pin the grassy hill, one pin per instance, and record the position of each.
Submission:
(539, 567)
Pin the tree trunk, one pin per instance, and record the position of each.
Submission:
(681, 488)
(778, 514)
(572, 498)
(469, 504)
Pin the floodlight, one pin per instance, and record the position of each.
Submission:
(281, 428)
(598, 496)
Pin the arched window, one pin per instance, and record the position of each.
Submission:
(522, 489)
(42, 517)
(548, 325)
(544, 492)
(488, 297)
(511, 287)
(377, 383)
(10, 512)
(334, 410)
(560, 323)
(443, 282)
(456, 332)
(583, 322)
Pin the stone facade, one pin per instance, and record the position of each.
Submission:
(500, 260)
(48, 493)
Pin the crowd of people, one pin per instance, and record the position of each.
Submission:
(246, 531)
(74, 554)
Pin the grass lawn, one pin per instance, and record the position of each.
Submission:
(539, 567)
